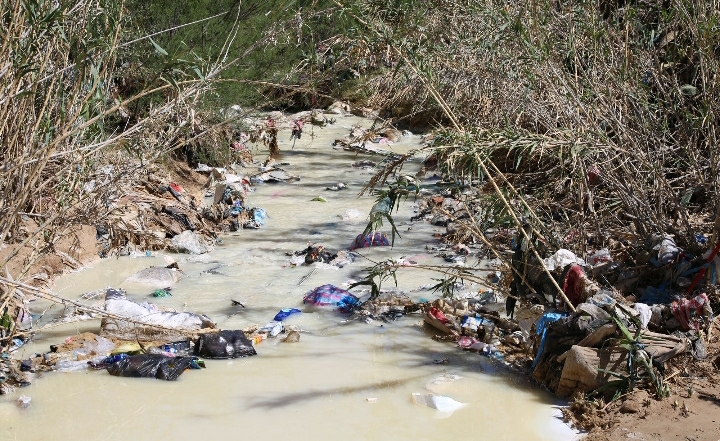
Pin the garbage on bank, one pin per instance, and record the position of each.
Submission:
(620, 320)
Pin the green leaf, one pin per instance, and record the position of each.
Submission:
(689, 90)
(158, 48)
(687, 196)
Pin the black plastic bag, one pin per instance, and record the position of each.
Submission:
(224, 344)
(153, 366)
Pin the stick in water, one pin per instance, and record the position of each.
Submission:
(304, 278)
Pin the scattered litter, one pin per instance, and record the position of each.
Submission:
(165, 292)
(561, 259)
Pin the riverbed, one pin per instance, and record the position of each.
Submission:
(344, 379)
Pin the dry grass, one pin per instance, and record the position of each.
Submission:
(592, 117)
(72, 140)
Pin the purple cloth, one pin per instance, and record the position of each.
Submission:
(330, 295)
(370, 240)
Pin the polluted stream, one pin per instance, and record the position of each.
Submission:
(344, 379)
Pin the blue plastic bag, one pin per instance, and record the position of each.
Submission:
(541, 329)
(285, 313)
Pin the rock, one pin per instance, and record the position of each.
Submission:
(155, 276)
(292, 337)
(189, 242)
(440, 220)
(318, 118)
(364, 163)
(23, 402)
(351, 215)
(391, 134)
(338, 108)
(630, 407)
(365, 112)
(586, 369)
(642, 257)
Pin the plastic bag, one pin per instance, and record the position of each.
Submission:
(154, 366)
(117, 304)
(285, 313)
(599, 257)
(645, 314)
(444, 404)
(189, 242)
(224, 344)
(561, 259)
(351, 215)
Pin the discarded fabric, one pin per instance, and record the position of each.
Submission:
(574, 284)
(438, 315)
(660, 295)
(330, 295)
(370, 240)
(692, 313)
(474, 344)
(667, 250)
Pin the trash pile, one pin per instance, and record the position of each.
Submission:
(135, 340)
(473, 325)
(320, 256)
(618, 318)
(162, 214)
(387, 306)
(362, 140)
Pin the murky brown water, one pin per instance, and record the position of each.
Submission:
(315, 389)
